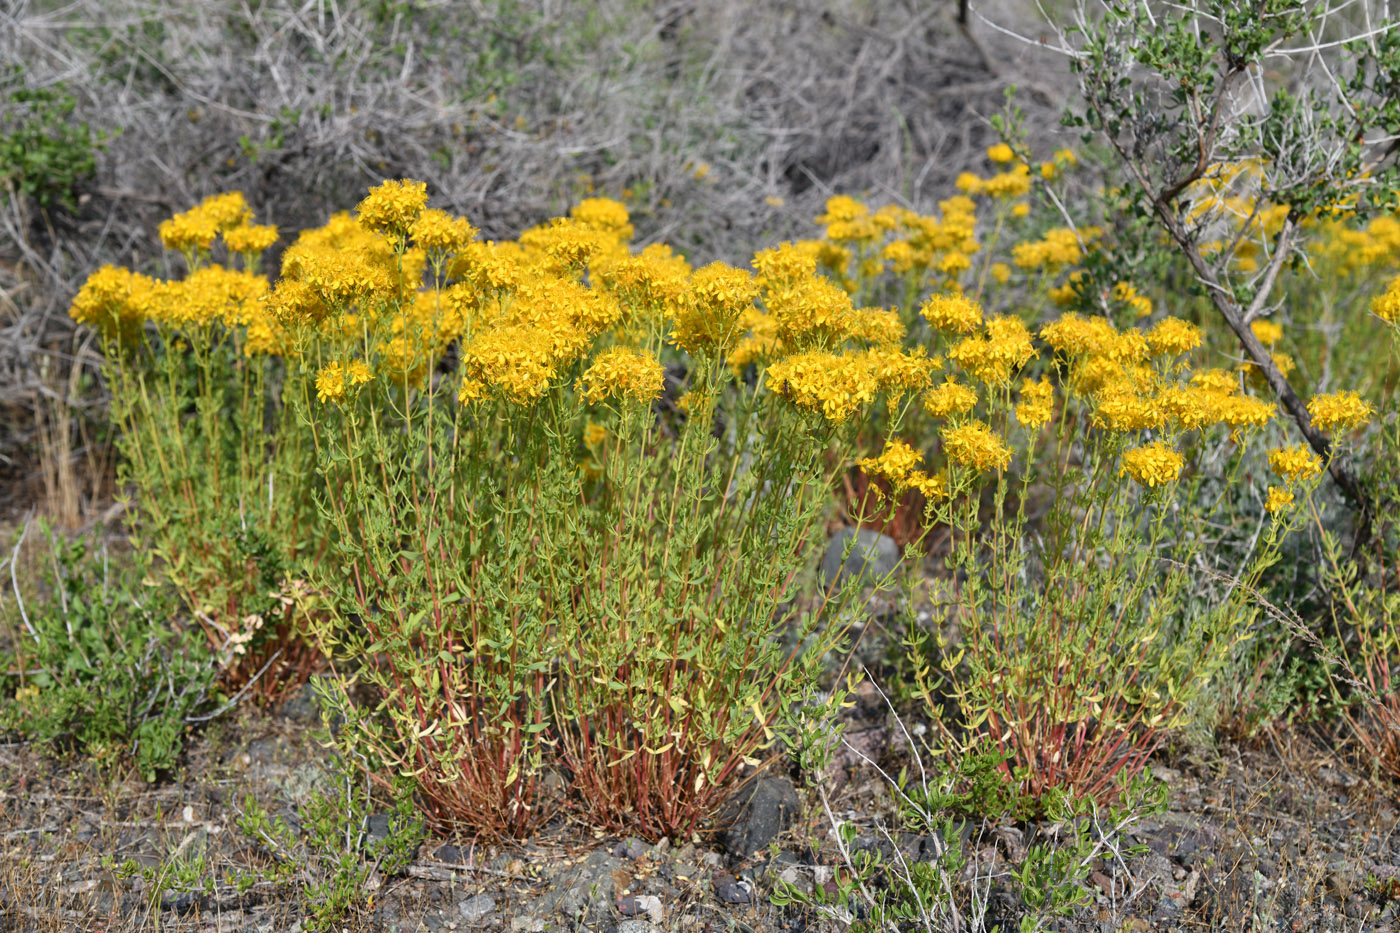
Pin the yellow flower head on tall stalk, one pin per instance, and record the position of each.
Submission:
(622, 374)
(953, 312)
(487, 268)
(606, 216)
(1056, 249)
(893, 465)
(707, 314)
(1001, 153)
(1009, 185)
(341, 278)
(784, 264)
(877, 326)
(950, 399)
(975, 445)
(1075, 335)
(330, 383)
(900, 371)
(1189, 408)
(250, 238)
(1037, 405)
(191, 230)
(1172, 336)
(114, 300)
(993, 356)
(1243, 411)
(1153, 465)
(1267, 332)
(1127, 294)
(1344, 411)
(209, 295)
(439, 232)
(968, 183)
(1279, 499)
(648, 282)
(518, 361)
(393, 206)
(832, 385)
(1295, 463)
(1216, 380)
(759, 345)
(227, 210)
(811, 312)
(563, 246)
(1122, 407)
(1386, 306)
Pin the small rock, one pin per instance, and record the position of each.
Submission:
(632, 848)
(872, 556)
(527, 925)
(735, 892)
(587, 892)
(633, 925)
(476, 908)
(821, 874)
(639, 905)
(756, 818)
(377, 827)
(450, 854)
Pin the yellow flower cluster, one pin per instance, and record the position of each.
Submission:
(1386, 305)
(898, 466)
(1056, 249)
(1278, 499)
(621, 374)
(392, 207)
(708, 314)
(250, 238)
(438, 231)
(975, 445)
(991, 357)
(950, 399)
(195, 229)
(1172, 336)
(116, 301)
(954, 312)
(1037, 405)
(1343, 411)
(1295, 463)
(836, 385)
(1152, 465)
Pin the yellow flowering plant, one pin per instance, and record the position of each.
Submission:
(221, 478)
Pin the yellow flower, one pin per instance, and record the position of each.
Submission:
(1010, 184)
(1152, 465)
(604, 215)
(1073, 334)
(438, 230)
(810, 312)
(1279, 499)
(1001, 272)
(1240, 411)
(993, 356)
(1172, 336)
(968, 183)
(707, 315)
(974, 445)
(1127, 293)
(392, 207)
(893, 466)
(1000, 153)
(953, 312)
(250, 238)
(930, 487)
(1344, 410)
(1037, 403)
(359, 373)
(1268, 332)
(1021, 209)
(1295, 463)
(951, 398)
(622, 374)
(330, 383)
(1386, 306)
(114, 300)
(594, 434)
(1121, 407)
(832, 385)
